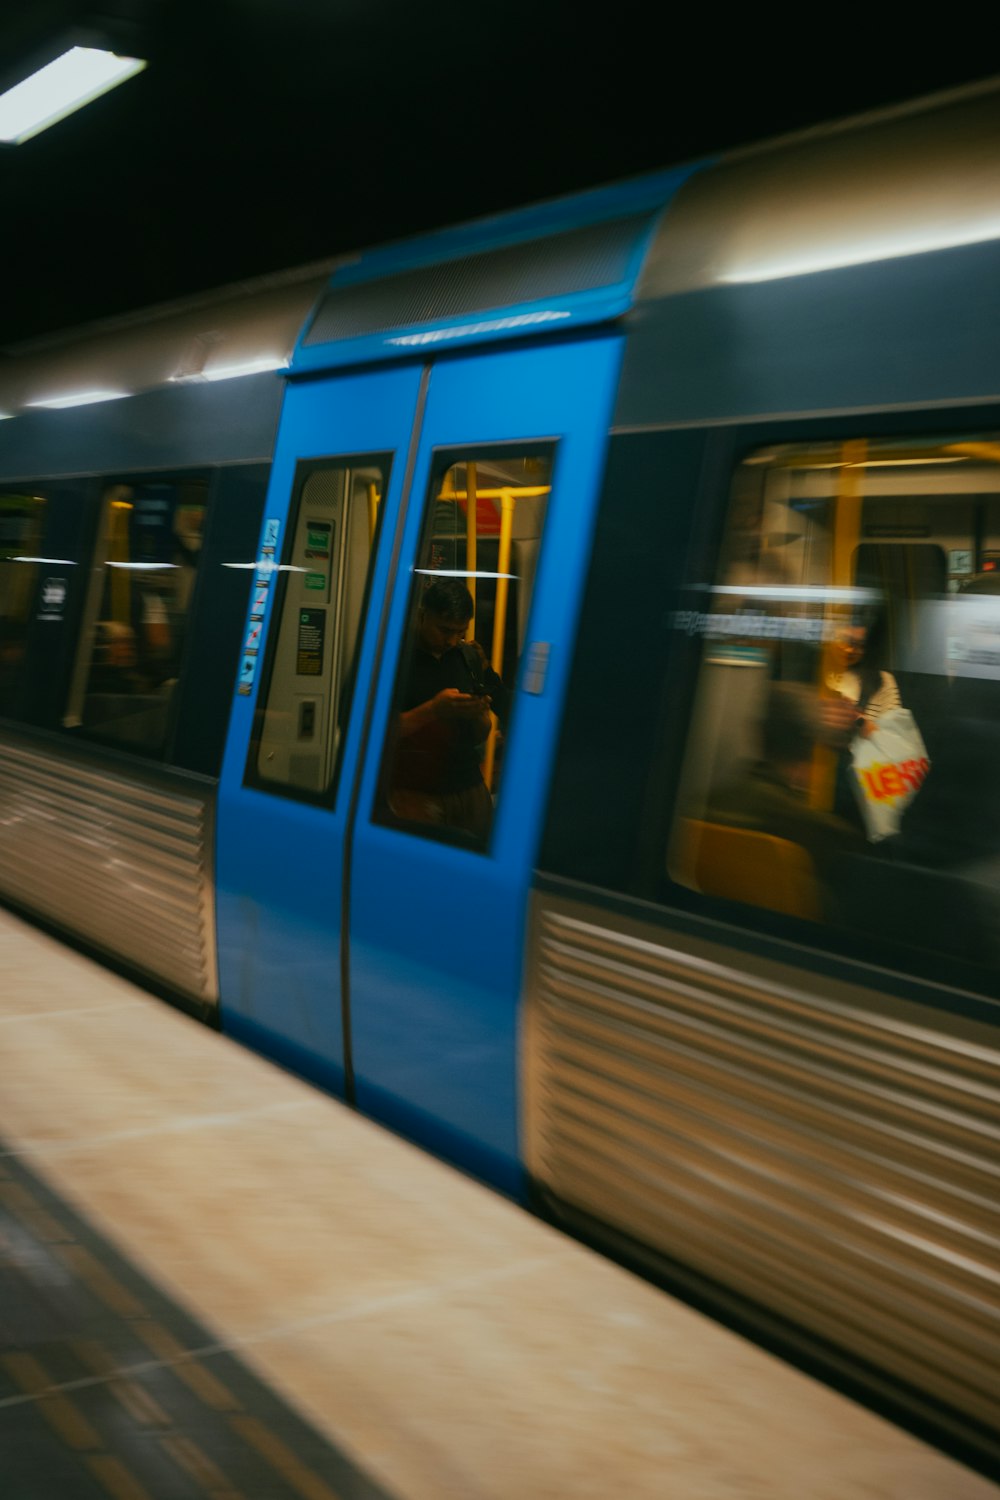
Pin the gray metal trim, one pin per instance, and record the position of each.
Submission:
(893, 333)
(825, 1150)
(252, 323)
(901, 408)
(848, 268)
(176, 427)
(122, 858)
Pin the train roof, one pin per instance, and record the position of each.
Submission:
(885, 184)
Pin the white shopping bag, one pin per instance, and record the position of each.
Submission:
(888, 768)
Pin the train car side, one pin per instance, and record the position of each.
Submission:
(760, 1050)
(714, 456)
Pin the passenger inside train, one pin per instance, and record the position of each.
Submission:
(857, 679)
(445, 719)
(467, 621)
(22, 520)
(136, 610)
(846, 583)
(771, 795)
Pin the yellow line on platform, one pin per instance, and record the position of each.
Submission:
(282, 1459)
(139, 1404)
(60, 1413)
(116, 1479)
(100, 1281)
(188, 1456)
(204, 1384)
(24, 1205)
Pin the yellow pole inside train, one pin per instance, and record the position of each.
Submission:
(471, 536)
(121, 581)
(846, 534)
(500, 615)
(373, 499)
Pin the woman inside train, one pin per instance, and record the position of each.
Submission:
(856, 677)
(856, 673)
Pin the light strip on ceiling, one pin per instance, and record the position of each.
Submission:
(76, 78)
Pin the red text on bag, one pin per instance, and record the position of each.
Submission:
(884, 783)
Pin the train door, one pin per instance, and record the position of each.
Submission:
(504, 486)
(291, 755)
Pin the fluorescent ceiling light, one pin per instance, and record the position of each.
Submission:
(79, 398)
(81, 75)
(143, 567)
(50, 562)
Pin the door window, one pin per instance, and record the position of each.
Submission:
(443, 762)
(316, 630)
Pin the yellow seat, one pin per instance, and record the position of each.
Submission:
(740, 864)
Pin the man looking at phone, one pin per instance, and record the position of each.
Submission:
(445, 718)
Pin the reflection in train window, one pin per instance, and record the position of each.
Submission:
(467, 621)
(136, 612)
(842, 760)
(319, 611)
(22, 527)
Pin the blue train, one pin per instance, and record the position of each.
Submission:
(658, 525)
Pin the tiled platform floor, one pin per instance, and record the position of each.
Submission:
(377, 1319)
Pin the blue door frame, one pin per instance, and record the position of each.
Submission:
(435, 931)
(280, 860)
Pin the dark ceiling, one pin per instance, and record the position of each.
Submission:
(268, 133)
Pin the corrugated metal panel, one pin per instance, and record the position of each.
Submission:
(122, 861)
(833, 1157)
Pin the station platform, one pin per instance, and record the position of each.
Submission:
(216, 1281)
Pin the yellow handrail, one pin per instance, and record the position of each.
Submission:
(846, 533)
(471, 524)
(121, 582)
(519, 492)
(507, 502)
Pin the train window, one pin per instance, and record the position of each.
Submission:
(22, 527)
(136, 611)
(468, 614)
(306, 698)
(841, 765)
